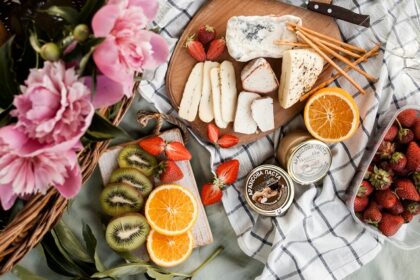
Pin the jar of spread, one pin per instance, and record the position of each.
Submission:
(306, 160)
(269, 190)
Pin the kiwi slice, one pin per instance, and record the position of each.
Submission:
(127, 233)
(119, 198)
(134, 156)
(133, 177)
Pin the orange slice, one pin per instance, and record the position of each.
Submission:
(168, 251)
(331, 115)
(171, 210)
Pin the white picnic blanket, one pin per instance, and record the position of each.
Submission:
(317, 238)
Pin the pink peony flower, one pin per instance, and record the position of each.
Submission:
(53, 113)
(54, 106)
(127, 47)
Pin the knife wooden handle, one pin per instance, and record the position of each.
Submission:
(339, 13)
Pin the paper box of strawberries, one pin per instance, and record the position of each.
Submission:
(385, 195)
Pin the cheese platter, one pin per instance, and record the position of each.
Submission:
(227, 17)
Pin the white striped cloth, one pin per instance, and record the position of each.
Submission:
(317, 238)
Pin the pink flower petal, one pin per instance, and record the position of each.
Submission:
(160, 50)
(13, 137)
(107, 92)
(106, 58)
(72, 184)
(7, 197)
(104, 19)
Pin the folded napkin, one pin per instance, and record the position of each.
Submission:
(317, 238)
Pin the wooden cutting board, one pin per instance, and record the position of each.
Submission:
(217, 13)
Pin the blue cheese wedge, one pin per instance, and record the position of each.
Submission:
(299, 71)
(249, 37)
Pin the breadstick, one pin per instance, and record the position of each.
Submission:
(330, 61)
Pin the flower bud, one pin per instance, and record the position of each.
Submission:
(50, 51)
(81, 32)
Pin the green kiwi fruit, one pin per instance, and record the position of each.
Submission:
(133, 177)
(127, 233)
(119, 198)
(134, 156)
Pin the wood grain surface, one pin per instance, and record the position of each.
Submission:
(217, 13)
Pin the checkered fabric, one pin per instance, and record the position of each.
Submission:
(317, 238)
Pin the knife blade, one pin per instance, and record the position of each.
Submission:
(339, 13)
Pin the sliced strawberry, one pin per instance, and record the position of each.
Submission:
(195, 48)
(216, 49)
(170, 172)
(227, 172)
(211, 193)
(227, 141)
(177, 151)
(153, 145)
(213, 133)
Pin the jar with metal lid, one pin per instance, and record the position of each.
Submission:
(306, 159)
(269, 190)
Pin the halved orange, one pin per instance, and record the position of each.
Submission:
(168, 251)
(171, 210)
(331, 115)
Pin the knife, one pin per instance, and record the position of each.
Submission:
(326, 8)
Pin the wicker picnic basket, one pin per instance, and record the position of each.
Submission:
(42, 212)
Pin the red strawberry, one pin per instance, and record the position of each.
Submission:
(206, 34)
(216, 48)
(416, 129)
(407, 117)
(413, 157)
(195, 48)
(169, 172)
(177, 151)
(398, 162)
(390, 224)
(153, 145)
(405, 136)
(407, 216)
(413, 208)
(416, 180)
(386, 198)
(385, 150)
(391, 133)
(227, 172)
(211, 193)
(360, 203)
(372, 215)
(397, 209)
(227, 141)
(213, 133)
(380, 179)
(405, 189)
(365, 189)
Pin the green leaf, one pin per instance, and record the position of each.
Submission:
(25, 274)
(89, 9)
(8, 83)
(102, 129)
(123, 270)
(71, 243)
(158, 275)
(90, 242)
(84, 61)
(128, 256)
(55, 259)
(69, 14)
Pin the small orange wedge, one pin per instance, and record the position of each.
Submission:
(171, 210)
(331, 115)
(168, 251)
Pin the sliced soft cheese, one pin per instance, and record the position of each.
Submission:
(192, 94)
(228, 91)
(216, 97)
(249, 37)
(299, 71)
(263, 113)
(244, 123)
(205, 111)
(258, 76)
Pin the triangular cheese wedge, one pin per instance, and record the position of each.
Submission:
(258, 76)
